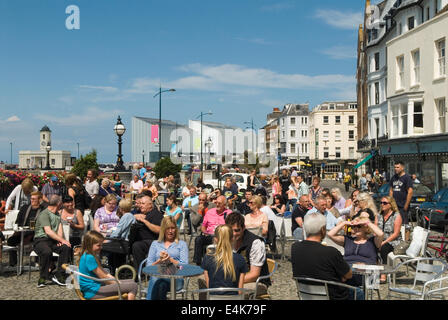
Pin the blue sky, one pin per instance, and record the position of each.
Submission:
(238, 58)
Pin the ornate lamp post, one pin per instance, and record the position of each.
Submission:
(48, 149)
(160, 116)
(143, 157)
(208, 145)
(201, 116)
(119, 131)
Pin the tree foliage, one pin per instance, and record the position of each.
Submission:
(83, 164)
(165, 167)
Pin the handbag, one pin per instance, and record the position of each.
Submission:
(401, 248)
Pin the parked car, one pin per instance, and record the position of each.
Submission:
(420, 195)
(434, 211)
(240, 178)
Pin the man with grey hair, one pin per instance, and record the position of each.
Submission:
(49, 238)
(311, 259)
(321, 207)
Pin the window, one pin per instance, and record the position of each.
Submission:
(338, 119)
(351, 153)
(400, 72)
(377, 128)
(436, 7)
(427, 13)
(352, 106)
(332, 107)
(292, 121)
(53, 162)
(304, 120)
(304, 148)
(374, 34)
(395, 111)
(441, 108)
(43, 136)
(293, 148)
(351, 119)
(304, 134)
(283, 121)
(416, 63)
(338, 135)
(283, 134)
(370, 95)
(351, 135)
(326, 120)
(377, 61)
(338, 152)
(326, 135)
(440, 46)
(400, 29)
(326, 152)
(377, 93)
(404, 119)
(293, 133)
(418, 118)
(411, 23)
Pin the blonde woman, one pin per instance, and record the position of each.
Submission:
(224, 268)
(89, 264)
(365, 201)
(168, 249)
(20, 196)
(149, 186)
(257, 218)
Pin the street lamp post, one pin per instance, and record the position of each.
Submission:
(143, 157)
(252, 126)
(11, 152)
(160, 116)
(119, 131)
(209, 144)
(78, 149)
(201, 116)
(48, 148)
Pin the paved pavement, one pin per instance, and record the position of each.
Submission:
(19, 288)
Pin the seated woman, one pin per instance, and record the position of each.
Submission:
(106, 217)
(150, 187)
(89, 264)
(365, 201)
(359, 247)
(224, 268)
(278, 206)
(173, 210)
(74, 218)
(136, 185)
(257, 218)
(117, 246)
(168, 249)
(330, 205)
(339, 199)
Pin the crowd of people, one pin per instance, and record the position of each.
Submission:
(134, 224)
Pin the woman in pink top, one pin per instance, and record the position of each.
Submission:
(106, 217)
(276, 187)
(257, 218)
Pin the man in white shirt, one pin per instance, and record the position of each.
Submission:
(92, 186)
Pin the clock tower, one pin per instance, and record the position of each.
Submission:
(45, 138)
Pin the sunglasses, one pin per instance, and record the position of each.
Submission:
(357, 227)
(384, 203)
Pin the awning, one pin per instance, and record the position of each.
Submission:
(363, 161)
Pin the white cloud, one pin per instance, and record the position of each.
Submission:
(340, 52)
(13, 119)
(101, 88)
(340, 19)
(90, 116)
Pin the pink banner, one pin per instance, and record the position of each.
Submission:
(154, 134)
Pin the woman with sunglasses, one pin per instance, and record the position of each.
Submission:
(278, 206)
(390, 222)
(257, 218)
(359, 247)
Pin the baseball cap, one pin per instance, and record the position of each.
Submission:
(54, 178)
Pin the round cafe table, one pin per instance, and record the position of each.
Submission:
(180, 272)
(367, 271)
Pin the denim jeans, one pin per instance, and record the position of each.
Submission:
(158, 288)
(359, 294)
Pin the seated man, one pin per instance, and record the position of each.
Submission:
(48, 238)
(189, 202)
(26, 214)
(321, 207)
(253, 250)
(151, 218)
(243, 207)
(311, 259)
(297, 217)
(212, 219)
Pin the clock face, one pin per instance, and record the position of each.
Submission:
(43, 144)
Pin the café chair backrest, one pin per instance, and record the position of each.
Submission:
(10, 219)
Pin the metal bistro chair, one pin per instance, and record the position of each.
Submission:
(240, 293)
(429, 293)
(426, 270)
(316, 289)
(73, 282)
(272, 267)
(142, 289)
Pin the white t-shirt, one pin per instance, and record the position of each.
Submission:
(268, 211)
(136, 185)
(92, 188)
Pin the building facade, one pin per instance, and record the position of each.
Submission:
(333, 128)
(58, 159)
(417, 95)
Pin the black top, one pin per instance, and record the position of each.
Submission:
(313, 260)
(400, 187)
(249, 182)
(285, 181)
(364, 253)
(216, 277)
(298, 212)
(244, 208)
(31, 216)
(230, 192)
(154, 217)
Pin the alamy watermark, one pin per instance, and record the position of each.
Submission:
(73, 21)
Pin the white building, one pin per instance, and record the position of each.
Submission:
(333, 127)
(58, 159)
